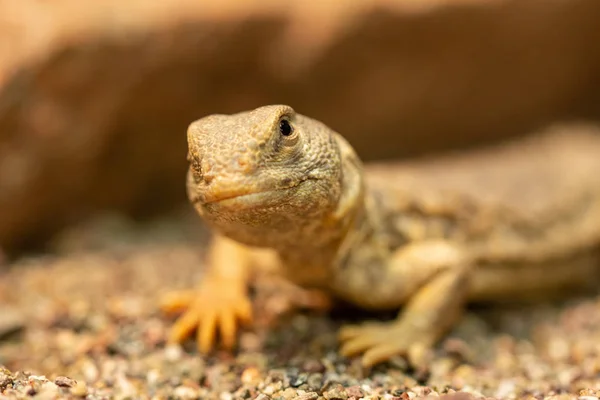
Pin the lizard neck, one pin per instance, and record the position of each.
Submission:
(316, 247)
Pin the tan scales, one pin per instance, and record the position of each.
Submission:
(284, 192)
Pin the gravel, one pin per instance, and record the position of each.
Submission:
(81, 321)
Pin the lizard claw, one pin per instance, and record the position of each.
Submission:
(380, 341)
(210, 311)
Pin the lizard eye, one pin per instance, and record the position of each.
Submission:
(285, 128)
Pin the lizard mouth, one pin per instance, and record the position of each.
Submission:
(249, 200)
(254, 198)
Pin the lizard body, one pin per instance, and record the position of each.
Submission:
(285, 192)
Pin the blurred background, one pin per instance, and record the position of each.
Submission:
(95, 97)
(95, 100)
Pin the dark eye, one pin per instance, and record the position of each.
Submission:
(285, 128)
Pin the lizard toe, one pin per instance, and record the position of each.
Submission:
(382, 352)
(419, 353)
(176, 301)
(355, 346)
(184, 326)
(360, 339)
(378, 342)
(206, 331)
(349, 332)
(244, 312)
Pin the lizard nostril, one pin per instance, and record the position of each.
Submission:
(201, 171)
(208, 178)
(196, 170)
(207, 173)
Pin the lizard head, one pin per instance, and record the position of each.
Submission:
(263, 176)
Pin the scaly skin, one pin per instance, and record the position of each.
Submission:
(283, 191)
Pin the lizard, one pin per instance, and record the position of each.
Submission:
(424, 236)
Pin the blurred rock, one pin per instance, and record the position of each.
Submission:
(11, 321)
(96, 96)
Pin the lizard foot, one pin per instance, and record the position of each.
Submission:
(428, 315)
(214, 308)
(380, 341)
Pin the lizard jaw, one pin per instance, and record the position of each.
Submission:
(245, 201)
(249, 200)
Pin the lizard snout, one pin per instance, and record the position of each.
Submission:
(201, 171)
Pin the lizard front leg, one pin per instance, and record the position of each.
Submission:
(220, 303)
(432, 279)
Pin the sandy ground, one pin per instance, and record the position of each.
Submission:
(81, 321)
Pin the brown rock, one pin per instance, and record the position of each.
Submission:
(96, 96)
(11, 321)
(355, 392)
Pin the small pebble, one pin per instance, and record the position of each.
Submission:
(63, 381)
(173, 352)
(336, 393)
(185, 393)
(307, 396)
(250, 374)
